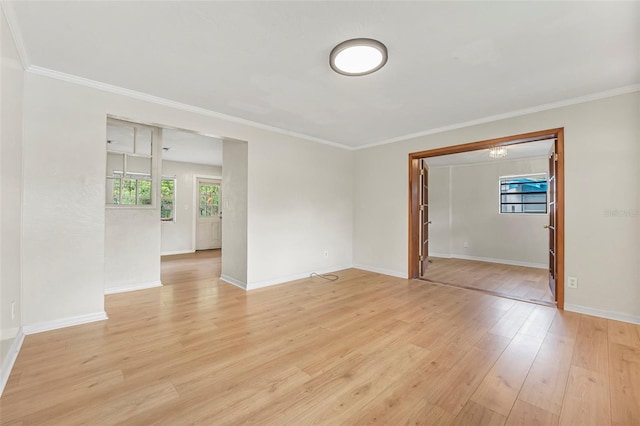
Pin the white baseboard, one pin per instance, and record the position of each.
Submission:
(383, 271)
(233, 281)
(64, 322)
(171, 253)
(133, 287)
(442, 255)
(618, 316)
(10, 360)
(503, 261)
(282, 280)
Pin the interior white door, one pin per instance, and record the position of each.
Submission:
(209, 215)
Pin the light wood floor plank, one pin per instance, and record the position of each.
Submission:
(365, 349)
(511, 322)
(565, 324)
(545, 384)
(624, 376)
(591, 350)
(623, 333)
(499, 388)
(586, 400)
(517, 281)
(465, 376)
(476, 415)
(525, 414)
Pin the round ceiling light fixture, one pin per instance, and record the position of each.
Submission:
(358, 56)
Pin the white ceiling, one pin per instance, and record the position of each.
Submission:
(187, 147)
(184, 147)
(449, 62)
(514, 152)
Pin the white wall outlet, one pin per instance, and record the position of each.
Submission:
(13, 309)
(465, 244)
(326, 254)
(572, 282)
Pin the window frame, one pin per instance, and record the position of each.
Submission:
(544, 175)
(135, 176)
(218, 206)
(121, 175)
(174, 198)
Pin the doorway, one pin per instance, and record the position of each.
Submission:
(419, 208)
(208, 215)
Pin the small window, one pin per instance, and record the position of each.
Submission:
(523, 194)
(209, 199)
(167, 199)
(130, 188)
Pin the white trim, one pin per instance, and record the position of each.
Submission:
(16, 33)
(172, 253)
(284, 280)
(602, 313)
(227, 279)
(502, 261)
(442, 255)
(70, 78)
(544, 107)
(132, 287)
(383, 271)
(10, 360)
(64, 322)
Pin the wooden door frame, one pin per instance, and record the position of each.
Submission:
(414, 180)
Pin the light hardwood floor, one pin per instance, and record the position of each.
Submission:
(512, 281)
(366, 349)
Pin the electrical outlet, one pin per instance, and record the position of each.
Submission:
(13, 309)
(326, 254)
(572, 282)
(465, 244)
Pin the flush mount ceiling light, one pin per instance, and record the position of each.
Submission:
(359, 56)
(498, 152)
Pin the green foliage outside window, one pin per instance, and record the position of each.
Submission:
(134, 192)
(138, 192)
(209, 200)
(167, 197)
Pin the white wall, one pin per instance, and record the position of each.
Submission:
(602, 230)
(132, 234)
(131, 248)
(469, 193)
(11, 98)
(177, 236)
(300, 205)
(299, 197)
(440, 211)
(235, 158)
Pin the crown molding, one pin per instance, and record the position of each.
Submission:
(70, 78)
(545, 107)
(47, 72)
(16, 33)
